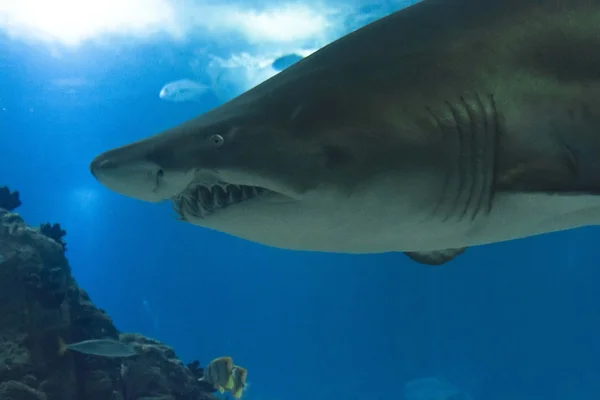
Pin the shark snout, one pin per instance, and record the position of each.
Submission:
(132, 174)
(128, 176)
(100, 164)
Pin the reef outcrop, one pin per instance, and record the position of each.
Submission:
(41, 302)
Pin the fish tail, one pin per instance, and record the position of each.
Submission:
(214, 85)
(215, 81)
(62, 346)
(237, 393)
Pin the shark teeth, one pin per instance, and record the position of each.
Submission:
(200, 201)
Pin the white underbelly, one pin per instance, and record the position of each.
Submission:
(519, 215)
(384, 229)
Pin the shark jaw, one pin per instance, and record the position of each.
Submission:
(203, 200)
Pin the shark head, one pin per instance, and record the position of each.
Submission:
(220, 164)
(255, 174)
(131, 171)
(319, 157)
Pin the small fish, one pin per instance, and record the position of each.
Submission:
(218, 373)
(224, 376)
(239, 375)
(98, 347)
(286, 61)
(183, 90)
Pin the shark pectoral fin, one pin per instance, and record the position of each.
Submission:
(437, 257)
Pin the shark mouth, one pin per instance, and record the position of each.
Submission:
(201, 201)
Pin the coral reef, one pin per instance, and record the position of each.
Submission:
(41, 302)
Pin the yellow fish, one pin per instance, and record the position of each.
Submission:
(239, 375)
(224, 376)
(218, 373)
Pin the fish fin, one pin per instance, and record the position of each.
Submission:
(238, 393)
(436, 257)
(62, 347)
(225, 360)
(230, 383)
(214, 82)
(214, 85)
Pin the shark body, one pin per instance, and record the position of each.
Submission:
(448, 124)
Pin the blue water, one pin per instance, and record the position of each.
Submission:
(510, 321)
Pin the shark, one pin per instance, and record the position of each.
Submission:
(445, 125)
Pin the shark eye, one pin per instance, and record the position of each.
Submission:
(216, 140)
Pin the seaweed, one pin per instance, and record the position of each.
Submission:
(55, 233)
(9, 200)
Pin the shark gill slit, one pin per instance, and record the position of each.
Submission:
(464, 152)
(471, 125)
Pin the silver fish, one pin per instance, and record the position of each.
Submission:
(182, 90)
(99, 347)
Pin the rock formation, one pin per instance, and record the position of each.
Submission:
(41, 302)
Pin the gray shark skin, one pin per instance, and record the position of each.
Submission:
(445, 125)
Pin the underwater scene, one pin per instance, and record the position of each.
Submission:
(292, 200)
